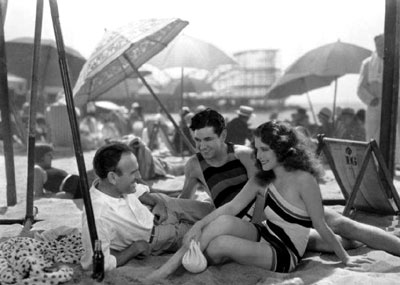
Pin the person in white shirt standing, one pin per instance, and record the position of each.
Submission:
(369, 90)
(132, 222)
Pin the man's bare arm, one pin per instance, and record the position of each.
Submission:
(139, 248)
(192, 172)
(246, 156)
(159, 209)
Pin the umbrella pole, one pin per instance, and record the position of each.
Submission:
(4, 5)
(32, 116)
(73, 122)
(311, 108)
(190, 146)
(180, 112)
(334, 105)
(5, 118)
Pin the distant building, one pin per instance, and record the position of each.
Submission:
(248, 83)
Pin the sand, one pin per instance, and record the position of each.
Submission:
(315, 268)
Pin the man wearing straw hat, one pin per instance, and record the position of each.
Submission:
(238, 130)
(324, 117)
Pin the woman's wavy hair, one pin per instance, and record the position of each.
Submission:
(292, 148)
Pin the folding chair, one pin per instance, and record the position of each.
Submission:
(363, 178)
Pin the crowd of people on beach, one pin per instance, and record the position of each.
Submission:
(264, 205)
(347, 123)
(274, 164)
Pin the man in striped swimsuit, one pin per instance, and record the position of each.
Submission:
(217, 168)
(221, 167)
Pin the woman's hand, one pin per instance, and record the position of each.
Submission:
(193, 234)
(356, 262)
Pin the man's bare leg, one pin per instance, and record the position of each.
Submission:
(352, 233)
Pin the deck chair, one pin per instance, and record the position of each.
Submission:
(363, 178)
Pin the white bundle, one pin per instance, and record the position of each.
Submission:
(194, 260)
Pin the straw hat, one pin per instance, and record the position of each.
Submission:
(325, 112)
(200, 108)
(245, 111)
(135, 105)
(348, 111)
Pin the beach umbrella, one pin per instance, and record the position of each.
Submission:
(109, 63)
(108, 106)
(190, 85)
(319, 68)
(19, 61)
(123, 93)
(120, 54)
(17, 84)
(186, 52)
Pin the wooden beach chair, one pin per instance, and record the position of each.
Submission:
(363, 178)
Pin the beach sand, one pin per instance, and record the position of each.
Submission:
(315, 268)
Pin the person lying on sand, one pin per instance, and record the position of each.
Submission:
(130, 221)
(50, 181)
(223, 170)
(289, 173)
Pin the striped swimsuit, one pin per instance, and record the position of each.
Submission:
(226, 181)
(286, 229)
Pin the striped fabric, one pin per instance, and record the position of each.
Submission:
(287, 229)
(226, 181)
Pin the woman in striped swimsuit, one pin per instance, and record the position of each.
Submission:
(288, 174)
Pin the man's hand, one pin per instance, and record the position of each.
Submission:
(138, 249)
(157, 205)
(160, 213)
(143, 249)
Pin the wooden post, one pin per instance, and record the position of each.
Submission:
(5, 118)
(32, 114)
(390, 90)
(73, 122)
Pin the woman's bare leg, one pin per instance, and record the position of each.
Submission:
(224, 225)
(317, 243)
(354, 234)
(230, 248)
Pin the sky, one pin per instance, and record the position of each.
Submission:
(291, 26)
